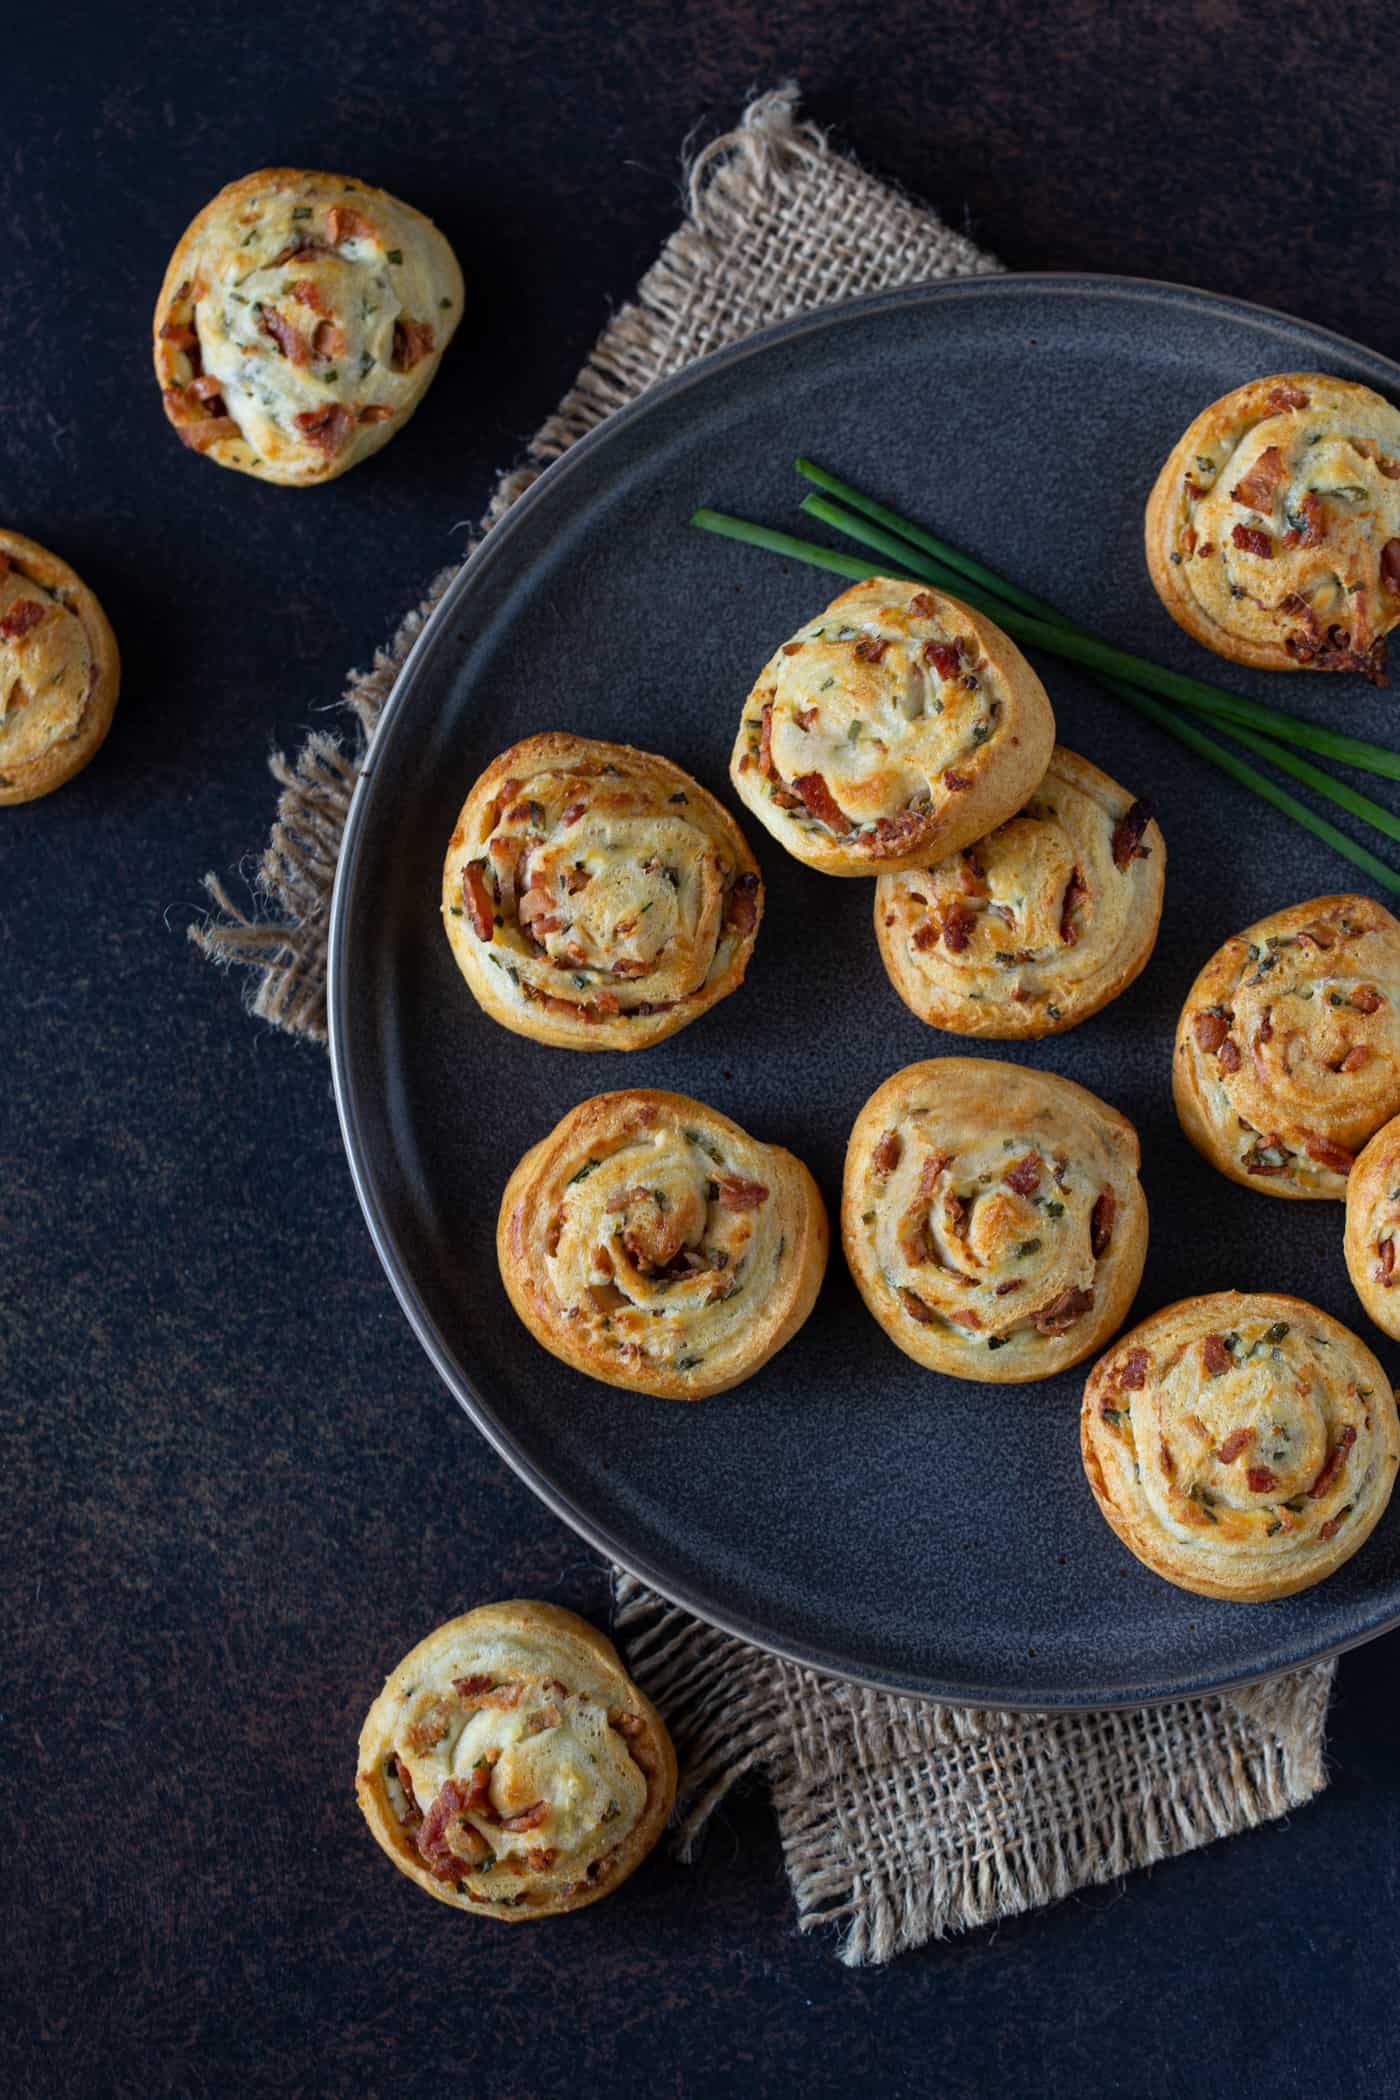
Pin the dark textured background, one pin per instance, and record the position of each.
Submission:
(233, 1490)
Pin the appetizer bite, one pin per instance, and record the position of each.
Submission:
(59, 671)
(510, 1766)
(651, 1243)
(1288, 1048)
(892, 730)
(992, 1217)
(1242, 1445)
(1040, 924)
(1273, 530)
(1373, 1228)
(596, 897)
(300, 323)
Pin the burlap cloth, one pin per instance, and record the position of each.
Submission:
(900, 1821)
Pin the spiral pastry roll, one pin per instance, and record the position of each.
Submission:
(511, 1767)
(892, 730)
(300, 323)
(1372, 1239)
(1288, 1047)
(59, 671)
(992, 1217)
(597, 897)
(1241, 1445)
(1035, 927)
(651, 1243)
(1273, 531)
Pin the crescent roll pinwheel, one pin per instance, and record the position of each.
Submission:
(992, 1217)
(512, 1768)
(1035, 927)
(59, 671)
(1242, 1445)
(1273, 531)
(597, 897)
(1372, 1238)
(893, 729)
(300, 323)
(1288, 1047)
(651, 1243)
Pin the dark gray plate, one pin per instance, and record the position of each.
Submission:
(845, 1507)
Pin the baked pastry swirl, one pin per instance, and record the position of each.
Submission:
(300, 323)
(651, 1243)
(597, 897)
(1288, 1047)
(992, 1217)
(893, 729)
(511, 1767)
(1273, 530)
(59, 671)
(1035, 927)
(1372, 1238)
(1241, 1445)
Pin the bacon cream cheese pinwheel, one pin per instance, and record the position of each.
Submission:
(1372, 1238)
(1035, 927)
(511, 1767)
(651, 1243)
(992, 1217)
(893, 729)
(1288, 1047)
(597, 897)
(1273, 531)
(59, 671)
(1242, 1445)
(300, 323)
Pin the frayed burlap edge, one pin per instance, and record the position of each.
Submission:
(903, 1822)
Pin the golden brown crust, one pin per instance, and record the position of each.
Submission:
(651, 1243)
(60, 672)
(1031, 930)
(1372, 1238)
(894, 728)
(595, 896)
(1287, 1051)
(1242, 1445)
(301, 321)
(518, 1712)
(992, 1217)
(1273, 530)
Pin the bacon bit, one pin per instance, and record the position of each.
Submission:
(528, 1819)
(375, 414)
(742, 910)
(1333, 1463)
(791, 648)
(446, 1821)
(1127, 834)
(870, 649)
(1013, 1283)
(430, 1727)
(535, 906)
(405, 1779)
(1327, 1154)
(922, 606)
(287, 336)
(925, 936)
(1060, 1316)
(1256, 490)
(1386, 1263)
(944, 658)
(328, 341)
(343, 223)
(765, 740)
(178, 336)
(958, 923)
(326, 428)
(468, 1687)
(207, 390)
(1217, 1359)
(1260, 1480)
(412, 342)
(574, 811)
(914, 1305)
(1264, 1033)
(822, 803)
(1025, 1175)
(956, 783)
(1251, 541)
(477, 901)
(967, 1318)
(1236, 1441)
(503, 1698)
(1315, 531)
(1211, 1031)
(1075, 888)
(1205, 550)
(541, 1857)
(1229, 1055)
(885, 1158)
(1366, 999)
(804, 718)
(1355, 1058)
(308, 293)
(575, 880)
(1101, 1224)
(902, 833)
(1285, 397)
(1330, 1529)
(24, 615)
(737, 1194)
(1188, 541)
(1132, 1372)
(1390, 567)
(607, 1003)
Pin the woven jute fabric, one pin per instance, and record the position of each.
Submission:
(900, 1821)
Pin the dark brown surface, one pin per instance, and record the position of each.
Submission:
(233, 1489)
